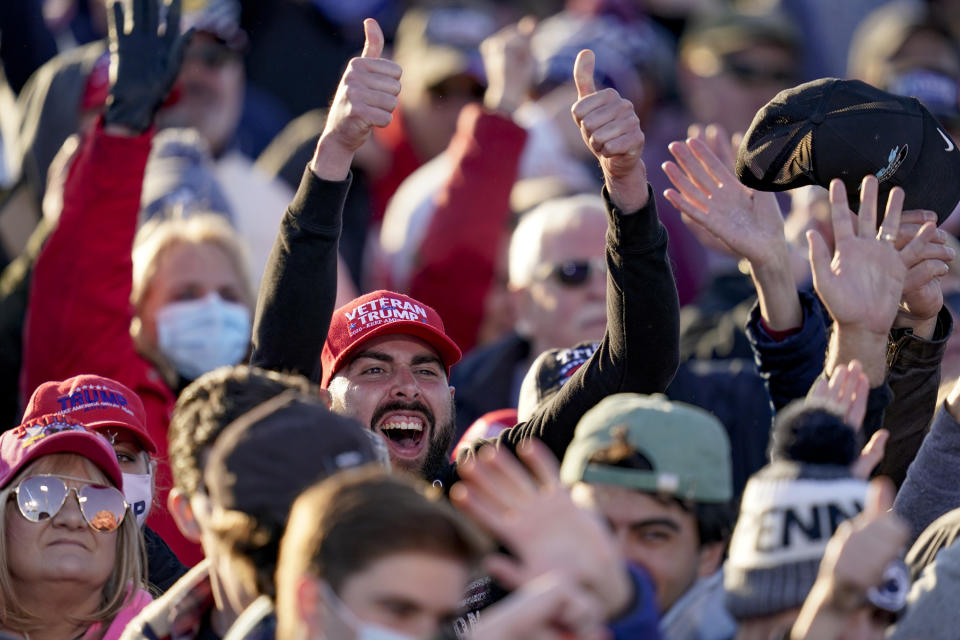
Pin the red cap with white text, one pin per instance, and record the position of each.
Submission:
(383, 313)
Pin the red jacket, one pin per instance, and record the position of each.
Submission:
(404, 160)
(79, 314)
(470, 222)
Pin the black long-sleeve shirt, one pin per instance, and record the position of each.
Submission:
(639, 351)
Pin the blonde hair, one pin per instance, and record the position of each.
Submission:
(129, 562)
(156, 236)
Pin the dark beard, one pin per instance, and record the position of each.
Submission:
(437, 457)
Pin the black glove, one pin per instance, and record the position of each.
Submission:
(143, 63)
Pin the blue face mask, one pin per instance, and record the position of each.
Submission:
(198, 336)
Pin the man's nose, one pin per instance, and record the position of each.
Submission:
(405, 384)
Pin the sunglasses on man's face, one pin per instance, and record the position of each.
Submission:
(41, 498)
(573, 273)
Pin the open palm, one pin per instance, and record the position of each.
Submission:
(747, 222)
(861, 284)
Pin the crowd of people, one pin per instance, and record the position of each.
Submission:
(479, 320)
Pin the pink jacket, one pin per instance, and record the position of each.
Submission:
(140, 600)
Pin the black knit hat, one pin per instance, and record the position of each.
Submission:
(847, 129)
(788, 512)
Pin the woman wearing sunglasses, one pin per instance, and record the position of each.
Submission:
(71, 557)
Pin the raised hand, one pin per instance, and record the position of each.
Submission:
(871, 455)
(532, 514)
(611, 130)
(855, 560)
(862, 284)
(365, 98)
(143, 62)
(845, 393)
(743, 221)
(926, 266)
(747, 222)
(509, 65)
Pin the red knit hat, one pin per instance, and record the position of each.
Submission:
(383, 313)
(94, 401)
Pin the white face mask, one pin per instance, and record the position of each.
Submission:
(343, 623)
(200, 335)
(138, 492)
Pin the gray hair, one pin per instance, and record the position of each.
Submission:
(547, 217)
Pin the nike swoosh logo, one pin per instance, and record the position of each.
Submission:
(946, 139)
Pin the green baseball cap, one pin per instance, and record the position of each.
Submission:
(687, 448)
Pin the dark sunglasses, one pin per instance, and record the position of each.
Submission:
(574, 273)
(41, 498)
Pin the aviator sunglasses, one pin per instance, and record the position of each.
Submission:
(574, 273)
(41, 497)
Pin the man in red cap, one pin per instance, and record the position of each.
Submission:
(386, 361)
(386, 358)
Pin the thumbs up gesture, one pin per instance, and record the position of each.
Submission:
(365, 98)
(611, 130)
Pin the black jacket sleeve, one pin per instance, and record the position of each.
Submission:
(299, 287)
(640, 349)
(913, 374)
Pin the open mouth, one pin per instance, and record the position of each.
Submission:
(405, 433)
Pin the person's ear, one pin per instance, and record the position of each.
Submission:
(310, 606)
(711, 555)
(453, 393)
(182, 511)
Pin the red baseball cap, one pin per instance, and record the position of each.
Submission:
(55, 434)
(486, 427)
(93, 401)
(382, 313)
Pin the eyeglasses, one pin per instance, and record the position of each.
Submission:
(573, 273)
(41, 498)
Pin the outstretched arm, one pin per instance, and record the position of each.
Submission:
(298, 292)
(639, 352)
(745, 221)
(470, 222)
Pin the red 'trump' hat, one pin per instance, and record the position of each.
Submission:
(94, 401)
(382, 313)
